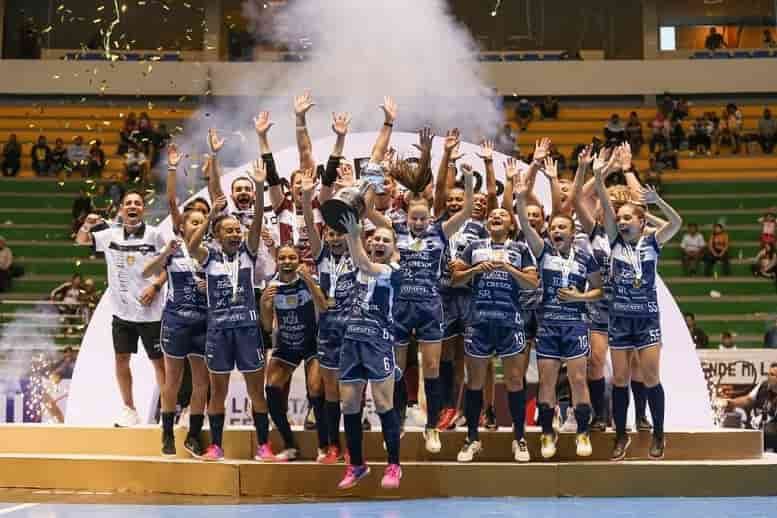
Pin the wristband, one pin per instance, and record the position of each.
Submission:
(389, 124)
(488, 160)
(272, 172)
(172, 168)
(157, 287)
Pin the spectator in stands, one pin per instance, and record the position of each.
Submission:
(700, 140)
(692, 247)
(136, 164)
(64, 367)
(767, 131)
(768, 223)
(82, 207)
(713, 118)
(677, 134)
(144, 136)
(768, 40)
(159, 140)
(714, 40)
(667, 106)
(717, 250)
(765, 263)
(727, 341)
(653, 174)
(556, 155)
(78, 155)
(681, 109)
(506, 142)
(660, 129)
(549, 108)
(6, 265)
(127, 134)
(41, 157)
(67, 297)
(90, 296)
(634, 133)
(59, 160)
(525, 112)
(770, 337)
(763, 401)
(700, 338)
(667, 158)
(731, 128)
(96, 159)
(615, 130)
(12, 156)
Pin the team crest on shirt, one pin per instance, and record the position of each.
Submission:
(417, 245)
(291, 300)
(130, 260)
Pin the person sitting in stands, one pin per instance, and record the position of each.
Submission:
(59, 161)
(714, 40)
(717, 250)
(700, 338)
(525, 112)
(634, 133)
(12, 153)
(692, 246)
(700, 140)
(78, 155)
(615, 130)
(96, 159)
(763, 401)
(549, 108)
(768, 223)
(41, 157)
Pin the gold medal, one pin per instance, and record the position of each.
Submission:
(130, 260)
(637, 283)
(330, 302)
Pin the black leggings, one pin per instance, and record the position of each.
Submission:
(770, 436)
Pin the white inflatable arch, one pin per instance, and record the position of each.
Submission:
(94, 398)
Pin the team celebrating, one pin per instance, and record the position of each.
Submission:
(430, 266)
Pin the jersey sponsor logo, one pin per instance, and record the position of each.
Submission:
(143, 249)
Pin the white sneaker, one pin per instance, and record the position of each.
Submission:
(557, 419)
(183, 419)
(570, 425)
(129, 417)
(521, 451)
(287, 455)
(469, 450)
(583, 443)
(548, 442)
(432, 437)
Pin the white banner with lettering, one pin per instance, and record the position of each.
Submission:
(736, 366)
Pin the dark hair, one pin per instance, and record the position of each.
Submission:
(76, 275)
(726, 334)
(131, 192)
(68, 349)
(773, 365)
(219, 220)
(240, 179)
(689, 314)
(190, 206)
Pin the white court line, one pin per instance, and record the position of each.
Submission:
(9, 510)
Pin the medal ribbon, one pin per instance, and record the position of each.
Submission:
(634, 257)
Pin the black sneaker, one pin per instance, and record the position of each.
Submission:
(168, 446)
(490, 419)
(310, 420)
(621, 447)
(657, 448)
(193, 446)
(598, 425)
(643, 425)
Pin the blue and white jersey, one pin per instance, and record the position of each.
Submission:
(559, 272)
(496, 295)
(421, 261)
(230, 282)
(337, 278)
(371, 317)
(295, 312)
(633, 270)
(472, 230)
(530, 298)
(184, 299)
(600, 245)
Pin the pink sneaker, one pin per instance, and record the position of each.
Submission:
(213, 453)
(353, 474)
(391, 477)
(264, 453)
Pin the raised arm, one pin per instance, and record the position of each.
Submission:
(173, 159)
(550, 170)
(262, 125)
(600, 168)
(583, 208)
(319, 299)
(667, 231)
(487, 154)
(308, 190)
(254, 236)
(214, 178)
(375, 217)
(194, 245)
(157, 265)
(389, 108)
(340, 122)
(303, 103)
(356, 247)
(455, 222)
(511, 171)
(452, 140)
(533, 239)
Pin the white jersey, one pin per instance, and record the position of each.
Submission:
(126, 255)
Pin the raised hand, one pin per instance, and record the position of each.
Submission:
(466, 170)
(303, 103)
(262, 123)
(603, 161)
(308, 181)
(551, 168)
(219, 204)
(269, 242)
(625, 156)
(260, 171)
(511, 169)
(351, 224)
(390, 109)
(541, 149)
(214, 141)
(425, 138)
(521, 187)
(486, 150)
(174, 157)
(452, 140)
(586, 156)
(172, 247)
(390, 155)
(340, 122)
(649, 195)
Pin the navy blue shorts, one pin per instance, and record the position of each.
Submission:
(600, 318)
(293, 356)
(455, 308)
(530, 324)
(484, 340)
(331, 329)
(239, 347)
(634, 333)
(182, 338)
(425, 318)
(562, 341)
(366, 360)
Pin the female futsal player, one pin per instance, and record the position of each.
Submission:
(367, 351)
(421, 243)
(634, 324)
(233, 338)
(184, 318)
(566, 269)
(290, 306)
(498, 268)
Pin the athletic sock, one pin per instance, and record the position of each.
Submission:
(216, 428)
(546, 418)
(411, 384)
(596, 389)
(262, 426)
(389, 422)
(278, 414)
(446, 383)
(322, 426)
(640, 399)
(332, 409)
(657, 401)
(168, 419)
(432, 390)
(516, 400)
(353, 438)
(400, 397)
(620, 408)
(583, 417)
(473, 404)
(195, 424)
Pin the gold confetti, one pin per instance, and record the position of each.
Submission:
(182, 99)
(56, 76)
(97, 20)
(47, 29)
(101, 8)
(78, 263)
(150, 106)
(124, 8)
(60, 7)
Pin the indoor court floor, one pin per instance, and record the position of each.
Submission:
(755, 507)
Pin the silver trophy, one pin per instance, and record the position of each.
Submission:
(351, 199)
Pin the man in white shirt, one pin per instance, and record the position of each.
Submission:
(692, 246)
(137, 303)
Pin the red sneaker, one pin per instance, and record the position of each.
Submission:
(447, 417)
(332, 456)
